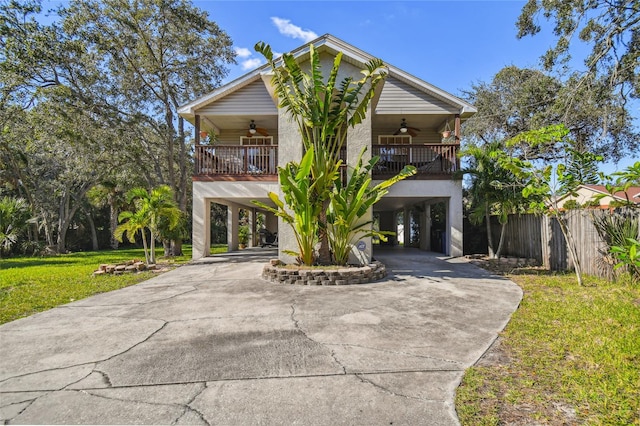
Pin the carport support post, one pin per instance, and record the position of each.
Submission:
(233, 225)
(359, 137)
(289, 149)
(252, 227)
(201, 232)
(454, 222)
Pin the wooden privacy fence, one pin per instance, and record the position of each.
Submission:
(540, 238)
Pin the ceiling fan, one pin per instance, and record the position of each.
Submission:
(253, 129)
(406, 129)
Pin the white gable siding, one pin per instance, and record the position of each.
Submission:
(253, 99)
(398, 97)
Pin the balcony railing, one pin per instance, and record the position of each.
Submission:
(254, 162)
(235, 160)
(429, 159)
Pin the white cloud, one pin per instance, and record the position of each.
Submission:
(287, 28)
(242, 52)
(252, 63)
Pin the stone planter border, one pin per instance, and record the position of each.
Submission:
(280, 274)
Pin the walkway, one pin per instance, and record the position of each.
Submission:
(211, 343)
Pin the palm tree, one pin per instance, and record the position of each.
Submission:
(15, 215)
(494, 189)
(322, 112)
(153, 210)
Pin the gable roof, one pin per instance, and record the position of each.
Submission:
(351, 54)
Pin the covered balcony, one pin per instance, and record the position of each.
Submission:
(234, 162)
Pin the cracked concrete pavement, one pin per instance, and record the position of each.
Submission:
(211, 343)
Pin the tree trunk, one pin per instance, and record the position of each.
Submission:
(144, 245)
(113, 224)
(94, 234)
(487, 219)
(502, 232)
(152, 249)
(166, 245)
(571, 245)
(176, 248)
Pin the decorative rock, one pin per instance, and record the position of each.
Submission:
(340, 276)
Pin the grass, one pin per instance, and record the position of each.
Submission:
(573, 358)
(34, 284)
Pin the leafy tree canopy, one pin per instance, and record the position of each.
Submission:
(610, 27)
(518, 100)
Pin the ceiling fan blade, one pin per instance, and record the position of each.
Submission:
(411, 132)
(249, 134)
(415, 129)
(262, 131)
(397, 132)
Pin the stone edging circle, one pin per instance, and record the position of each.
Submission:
(280, 274)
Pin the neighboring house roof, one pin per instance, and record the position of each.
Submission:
(351, 54)
(632, 194)
(588, 192)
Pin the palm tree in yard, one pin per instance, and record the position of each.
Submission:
(152, 209)
(494, 190)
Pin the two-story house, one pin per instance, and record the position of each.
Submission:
(241, 137)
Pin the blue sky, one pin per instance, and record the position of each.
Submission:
(451, 44)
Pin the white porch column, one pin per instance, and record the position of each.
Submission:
(360, 137)
(252, 227)
(454, 222)
(289, 149)
(201, 231)
(233, 225)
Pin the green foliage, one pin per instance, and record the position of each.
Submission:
(243, 234)
(152, 210)
(300, 197)
(542, 184)
(15, 215)
(518, 100)
(322, 111)
(566, 346)
(623, 181)
(351, 202)
(628, 256)
(571, 205)
(618, 229)
(609, 28)
(494, 189)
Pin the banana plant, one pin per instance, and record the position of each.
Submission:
(300, 209)
(322, 111)
(351, 202)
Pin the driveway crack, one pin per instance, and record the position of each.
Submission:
(296, 323)
(387, 390)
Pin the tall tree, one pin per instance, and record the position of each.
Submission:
(543, 184)
(518, 100)
(493, 190)
(610, 27)
(159, 54)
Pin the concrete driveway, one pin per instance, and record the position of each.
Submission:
(211, 343)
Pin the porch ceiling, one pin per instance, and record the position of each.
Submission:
(399, 203)
(383, 124)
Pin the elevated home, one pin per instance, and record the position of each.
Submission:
(242, 137)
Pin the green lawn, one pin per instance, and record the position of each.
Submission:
(34, 284)
(572, 357)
